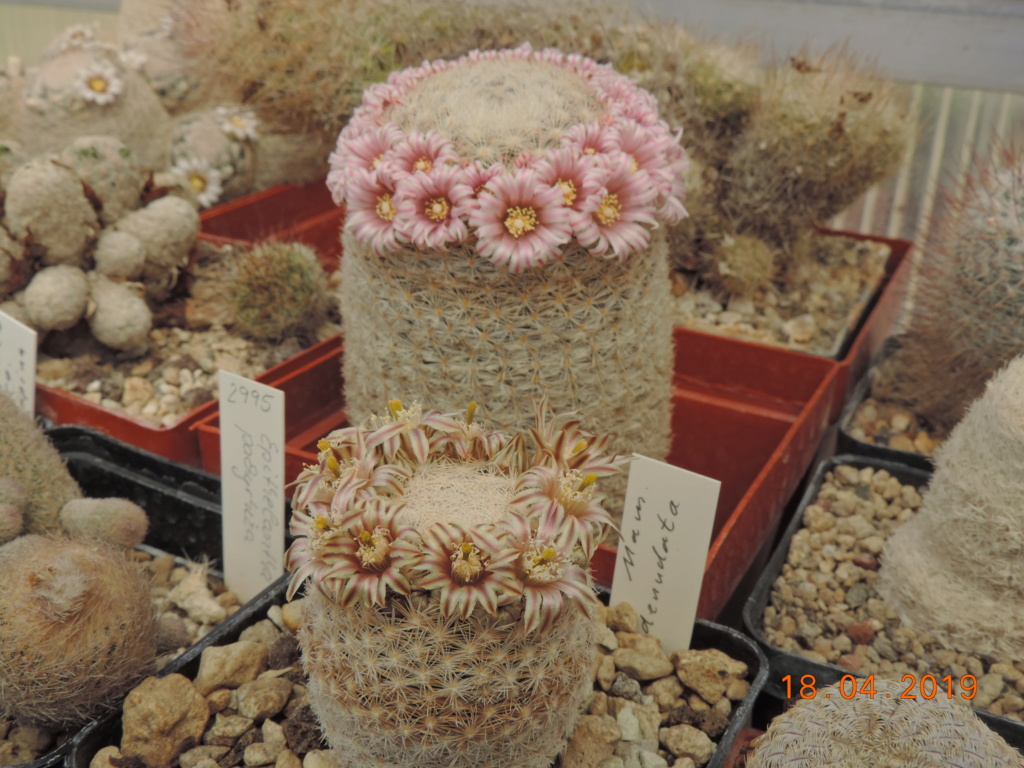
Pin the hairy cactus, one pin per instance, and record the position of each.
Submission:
(278, 290)
(499, 253)
(449, 621)
(77, 629)
(120, 522)
(28, 458)
(956, 570)
(825, 130)
(882, 729)
(967, 316)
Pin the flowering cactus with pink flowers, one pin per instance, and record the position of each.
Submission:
(505, 242)
(449, 611)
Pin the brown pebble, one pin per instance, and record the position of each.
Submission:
(861, 633)
(851, 661)
(901, 442)
(866, 561)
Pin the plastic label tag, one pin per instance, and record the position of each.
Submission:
(18, 363)
(252, 483)
(666, 531)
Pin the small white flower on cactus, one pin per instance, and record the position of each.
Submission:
(239, 123)
(99, 83)
(77, 36)
(204, 180)
(134, 59)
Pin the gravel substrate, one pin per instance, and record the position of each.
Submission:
(814, 313)
(247, 706)
(825, 607)
(878, 422)
(189, 602)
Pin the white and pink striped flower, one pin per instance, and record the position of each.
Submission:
(616, 221)
(362, 152)
(421, 152)
(431, 207)
(370, 208)
(522, 222)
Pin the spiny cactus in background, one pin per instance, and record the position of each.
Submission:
(503, 242)
(967, 316)
(77, 629)
(278, 290)
(35, 466)
(883, 729)
(956, 570)
(824, 131)
(449, 619)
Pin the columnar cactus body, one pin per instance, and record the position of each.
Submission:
(956, 570)
(503, 242)
(967, 317)
(449, 619)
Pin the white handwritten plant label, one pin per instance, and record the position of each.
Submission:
(18, 363)
(252, 483)
(666, 531)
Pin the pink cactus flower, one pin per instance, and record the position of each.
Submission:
(616, 221)
(566, 168)
(364, 152)
(420, 152)
(371, 208)
(430, 207)
(522, 222)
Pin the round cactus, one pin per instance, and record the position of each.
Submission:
(955, 570)
(501, 253)
(106, 167)
(278, 290)
(119, 317)
(77, 629)
(449, 619)
(120, 522)
(167, 228)
(56, 298)
(219, 140)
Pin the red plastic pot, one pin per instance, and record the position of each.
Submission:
(747, 415)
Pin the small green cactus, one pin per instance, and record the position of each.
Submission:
(279, 290)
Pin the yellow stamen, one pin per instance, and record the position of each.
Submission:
(321, 523)
(395, 406)
(374, 548)
(385, 208)
(586, 482)
(589, 151)
(198, 182)
(376, 161)
(467, 565)
(365, 537)
(323, 445)
(520, 220)
(568, 191)
(578, 447)
(634, 166)
(470, 412)
(423, 164)
(437, 209)
(332, 465)
(98, 84)
(609, 211)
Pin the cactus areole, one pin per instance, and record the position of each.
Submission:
(449, 618)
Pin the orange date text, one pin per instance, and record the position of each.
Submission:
(927, 687)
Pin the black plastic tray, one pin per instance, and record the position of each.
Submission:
(847, 444)
(179, 523)
(107, 731)
(782, 663)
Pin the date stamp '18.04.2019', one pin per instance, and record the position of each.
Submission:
(925, 687)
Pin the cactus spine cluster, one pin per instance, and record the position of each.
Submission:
(77, 629)
(956, 570)
(967, 316)
(450, 613)
(882, 729)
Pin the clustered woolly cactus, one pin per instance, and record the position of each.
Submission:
(449, 617)
(503, 243)
(883, 729)
(278, 290)
(77, 629)
(78, 242)
(140, 92)
(967, 316)
(956, 569)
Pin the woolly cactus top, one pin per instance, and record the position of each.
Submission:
(518, 151)
(430, 503)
